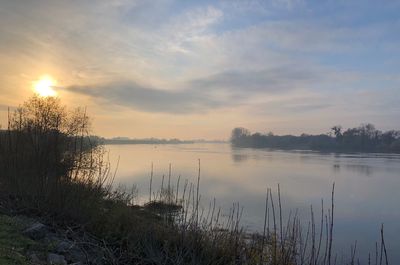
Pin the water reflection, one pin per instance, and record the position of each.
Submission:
(242, 175)
(364, 170)
(361, 169)
(238, 158)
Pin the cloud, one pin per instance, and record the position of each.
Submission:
(197, 57)
(182, 32)
(280, 79)
(223, 89)
(307, 107)
(132, 95)
(297, 103)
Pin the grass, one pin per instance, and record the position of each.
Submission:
(13, 245)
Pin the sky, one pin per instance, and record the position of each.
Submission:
(197, 69)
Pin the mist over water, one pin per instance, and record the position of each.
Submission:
(366, 194)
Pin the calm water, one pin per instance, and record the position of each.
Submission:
(367, 185)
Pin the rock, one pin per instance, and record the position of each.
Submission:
(35, 259)
(71, 252)
(64, 247)
(37, 231)
(75, 255)
(54, 259)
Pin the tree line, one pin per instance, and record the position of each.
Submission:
(123, 140)
(364, 138)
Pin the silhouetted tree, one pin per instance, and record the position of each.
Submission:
(238, 133)
(45, 142)
(337, 131)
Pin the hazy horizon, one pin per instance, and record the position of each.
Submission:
(197, 69)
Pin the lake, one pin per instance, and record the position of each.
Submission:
(367, 186)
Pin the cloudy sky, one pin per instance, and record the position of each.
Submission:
(196, 69)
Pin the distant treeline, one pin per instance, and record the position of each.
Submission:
(364, 138)
(125, 140)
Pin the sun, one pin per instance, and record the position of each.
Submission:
(44, 87)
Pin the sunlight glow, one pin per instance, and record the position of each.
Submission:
(44, 87)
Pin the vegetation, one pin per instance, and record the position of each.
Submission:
(364, 138)
(124, 140)
(155, 141)
(12, 242)
(49, 167)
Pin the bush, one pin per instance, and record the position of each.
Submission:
(47, 160)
